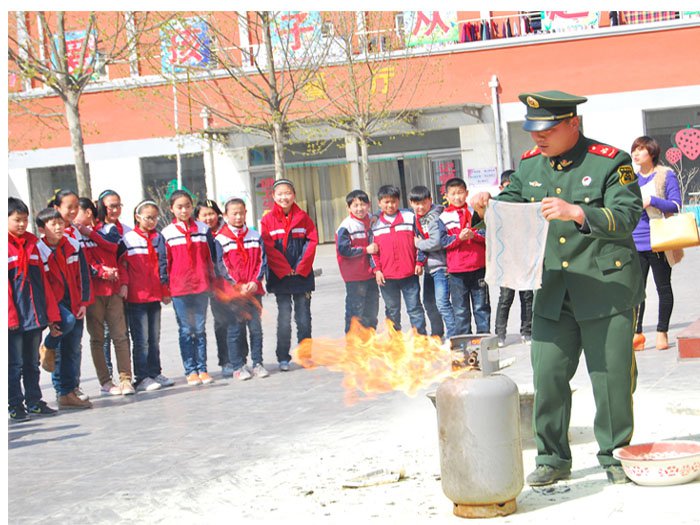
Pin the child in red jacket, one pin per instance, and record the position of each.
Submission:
(32, 306)
(398, 263)
(240, 266)
(70, 284)
(466, 261)
(290, 239)
(142, 265)
(189, 246)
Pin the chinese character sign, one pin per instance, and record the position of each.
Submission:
(481, 177)
(430, 27)
(296, 35)
(568, 20)
(185, 44)
(75, 44)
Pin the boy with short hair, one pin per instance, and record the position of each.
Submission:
(436, 292)
(466, 261)
(32, 306)
(69, 281)
(290, 239)
(353, 247)
(240, 262)
(398, 264)
(505, 299)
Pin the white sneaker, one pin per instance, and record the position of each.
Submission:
(110, 389)
(127, 388)
(163, 380)
(242, 374)
(148, 385)
(260, 371)
(81, 395)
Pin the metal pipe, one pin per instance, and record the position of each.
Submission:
(496, 106)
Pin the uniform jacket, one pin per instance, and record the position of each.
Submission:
(429, 233)
(462, 256)
(189, 250)
(30, 299)
(596, 263)
(68, 274)
(398, 256)
(290, 244)
(100, 250)
(143, 266)
(351, 240)
(240, 256)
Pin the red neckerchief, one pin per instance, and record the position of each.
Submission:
(148, 236)
(364, 221)
(120, 228)
(420, 226)
(191, 227)
(71, 231)
(239, 237)
(463, 214)
(60, 258)
(22, 259)
(286, 220)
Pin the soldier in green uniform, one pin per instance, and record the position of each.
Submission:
(591, 280)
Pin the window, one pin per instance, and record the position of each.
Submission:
(43, 182)
(159, 179)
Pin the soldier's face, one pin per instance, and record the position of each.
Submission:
(557, 140)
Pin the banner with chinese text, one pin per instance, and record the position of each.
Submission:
(422, 28)
(185, 44)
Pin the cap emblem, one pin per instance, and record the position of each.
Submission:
(532, 103)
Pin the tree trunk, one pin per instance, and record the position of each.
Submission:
(364, 162)
(278, 142)
(76, 139)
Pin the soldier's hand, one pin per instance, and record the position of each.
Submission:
(554, 208)
(479, 202)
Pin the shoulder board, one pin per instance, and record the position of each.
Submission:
(603, 150)
(531, 153)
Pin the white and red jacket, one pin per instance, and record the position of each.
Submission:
(351, 240)
(462, 256)
(397, 257)
(69, 275)
(290, 244)
(240, 256)
(143, 266)
(30, 299)
(189, 247)
(100, 250)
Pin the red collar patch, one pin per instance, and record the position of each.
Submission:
(531, 153)
(603, 150)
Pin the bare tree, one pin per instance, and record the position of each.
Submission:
(372, 89)
(66, 61)
(257, 64)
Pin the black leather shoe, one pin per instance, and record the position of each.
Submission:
(616, 475)
(546, 475)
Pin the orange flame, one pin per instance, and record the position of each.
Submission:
(375, 363)
(242, 304)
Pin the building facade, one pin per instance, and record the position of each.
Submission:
(462, 118)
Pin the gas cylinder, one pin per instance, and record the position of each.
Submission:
(481, 457)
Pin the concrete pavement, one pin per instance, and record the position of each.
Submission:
(279, 449)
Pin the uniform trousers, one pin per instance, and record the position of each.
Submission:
(556, 351)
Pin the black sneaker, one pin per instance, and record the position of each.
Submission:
(18, 413)
(546, 475)
(616, 475)
(41, 409)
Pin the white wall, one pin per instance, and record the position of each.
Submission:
(124, 177)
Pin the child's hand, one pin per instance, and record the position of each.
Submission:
(416, 241)
(81, 312)
(84, 230)
(167, 299)
(123, 291)
(372, 248)
(419, 269)
(379, 276)
(110, 274)
(55, 329)
(251, 287)
(466, 234)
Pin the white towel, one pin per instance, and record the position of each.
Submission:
(516, 234)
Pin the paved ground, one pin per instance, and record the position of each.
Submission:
(279, 449)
